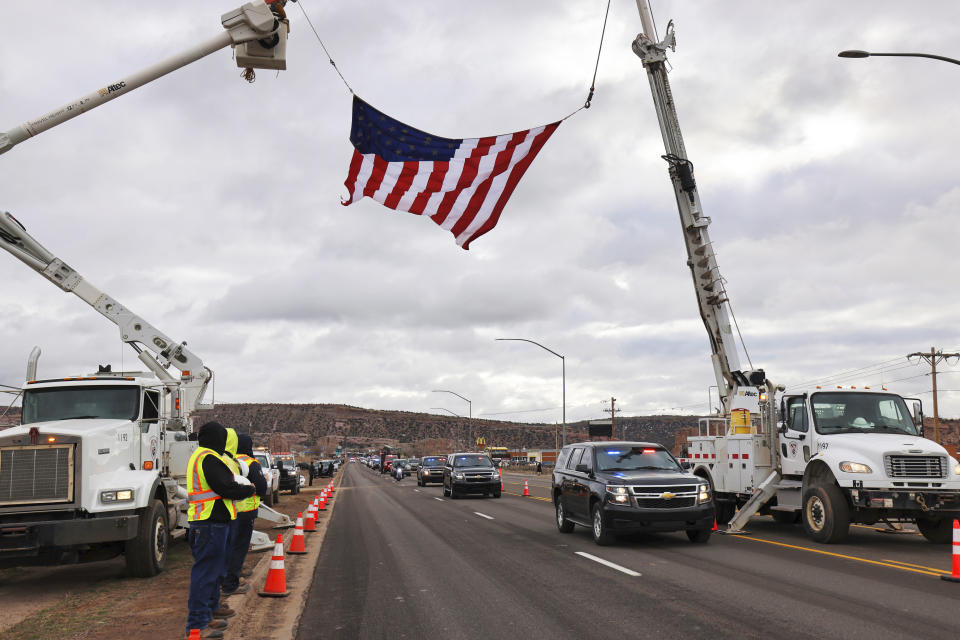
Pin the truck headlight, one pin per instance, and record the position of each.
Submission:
(703, 493)
(956, 469)
(116, 495)
(855, 467)
(619, 494)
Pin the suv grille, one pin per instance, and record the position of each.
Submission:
(914, 466)
(650, 497)
(36, 474)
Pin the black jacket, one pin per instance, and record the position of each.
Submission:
(213, 435)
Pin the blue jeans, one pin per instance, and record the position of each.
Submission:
(208, 544)
(237, 551)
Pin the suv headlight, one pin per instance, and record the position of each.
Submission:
(703, 493)
(458, 476)
(855, 467)
(620, 495)
(116, 495)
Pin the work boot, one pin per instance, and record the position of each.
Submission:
(217, 624)
(224, 612)
(243, 587)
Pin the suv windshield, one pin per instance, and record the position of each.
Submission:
(433, 462)
(65, 403)
(472, 461)
(861, 413)
(631, 458)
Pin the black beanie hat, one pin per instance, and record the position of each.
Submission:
(245, 444)
(213, 435)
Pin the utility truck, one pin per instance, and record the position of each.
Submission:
(826, 457)
(97, 467)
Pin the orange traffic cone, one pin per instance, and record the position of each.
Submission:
(331, 486)
(526, 488)
(310, 522)
(276, 584)
(299, 542)
(714, 525)
(323, 502)
(955, 577)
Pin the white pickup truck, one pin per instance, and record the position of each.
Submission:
(271, 473)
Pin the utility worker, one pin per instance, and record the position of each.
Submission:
(212, 489)
(247, 510)
(239, 471)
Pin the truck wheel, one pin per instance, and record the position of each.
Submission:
(564, 525)
(146, 554)
(726, 509)
(601, 533)
(826, 514)
(268, 499)
(936, 530)
(699, 536)
(276, 496)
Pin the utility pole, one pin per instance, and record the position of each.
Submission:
(613, 411)
(933, 358)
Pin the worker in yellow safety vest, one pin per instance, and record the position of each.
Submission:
(212, 488)
(247, 510)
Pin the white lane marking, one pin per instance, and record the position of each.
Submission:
(440, 499)
(417, 490)
(483, 515)
(629, 572)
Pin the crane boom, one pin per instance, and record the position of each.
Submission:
(134, 330)
(711, 293)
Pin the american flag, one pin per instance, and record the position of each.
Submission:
(462, 184)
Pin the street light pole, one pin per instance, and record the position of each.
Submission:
(563, 373)
(855, 53)
(469, 406)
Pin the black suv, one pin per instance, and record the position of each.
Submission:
(470, 473)
(629, 487)
(430, 470)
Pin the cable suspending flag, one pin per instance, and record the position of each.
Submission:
(462, 185)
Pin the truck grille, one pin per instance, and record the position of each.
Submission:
(684, 496)
(915, 466)
(36, 474)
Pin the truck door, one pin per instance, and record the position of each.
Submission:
(794, 435)
(150, 445)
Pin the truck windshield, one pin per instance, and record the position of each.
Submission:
(632, 458)
(66, 403)
(472, 461)
(861, 413)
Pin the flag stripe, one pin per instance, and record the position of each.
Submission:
(351, 182)
(403, 183)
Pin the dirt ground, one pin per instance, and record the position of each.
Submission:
(97, 601)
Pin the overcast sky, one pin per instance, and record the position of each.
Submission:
(211, 207)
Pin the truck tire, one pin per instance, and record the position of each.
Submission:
(601, 532)
(936, 530)
(146, 554)
(699, 536)
(726, 509)
(563, 525)
(826, 514)
(276, 496)
(268, 499)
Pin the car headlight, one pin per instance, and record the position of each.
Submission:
(855, 467)
(703, 493)
(116, 495)
(458, 476)
(619, 494)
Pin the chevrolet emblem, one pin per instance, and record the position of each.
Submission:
(666, 495)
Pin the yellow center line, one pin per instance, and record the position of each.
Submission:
(934, 572)
(919, 566)
(523, 496)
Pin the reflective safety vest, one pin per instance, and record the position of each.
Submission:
(253, 502)
(202, 497)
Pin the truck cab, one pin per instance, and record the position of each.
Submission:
(86, 475)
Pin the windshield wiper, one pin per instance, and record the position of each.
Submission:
(80, 418)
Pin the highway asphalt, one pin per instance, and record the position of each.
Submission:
(401, 561)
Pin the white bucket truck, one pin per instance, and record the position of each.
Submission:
(827, 458)
(97, 466)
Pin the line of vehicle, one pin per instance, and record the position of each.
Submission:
(483, 515)
(629, 572)
(934, 572)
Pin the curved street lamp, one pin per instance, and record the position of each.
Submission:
(453, 414)
(856, 53)
(563, 370)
